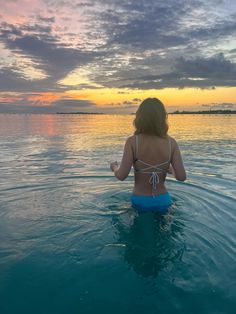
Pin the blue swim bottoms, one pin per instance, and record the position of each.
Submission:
(158, 203)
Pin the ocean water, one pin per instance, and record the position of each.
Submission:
(70, 241)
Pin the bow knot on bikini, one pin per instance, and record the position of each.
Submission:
(154, 179)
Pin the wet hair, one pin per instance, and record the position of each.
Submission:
(151, 118)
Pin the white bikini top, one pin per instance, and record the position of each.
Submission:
(154, 174)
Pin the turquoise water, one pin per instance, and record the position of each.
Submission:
(71, 243)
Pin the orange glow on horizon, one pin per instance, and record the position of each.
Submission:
(188, 97)
(45, 98)
(114, 98)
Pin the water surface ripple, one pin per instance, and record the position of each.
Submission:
(70, 241)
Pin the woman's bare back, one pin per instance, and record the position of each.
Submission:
(152, 150)
(151, 163)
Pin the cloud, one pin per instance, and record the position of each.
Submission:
(216, 67)
(153, 37)
(74, 105)
(47, 53)
(137, 100)
(143, 25)
(54, 57)
(125, 107)
(221, 29)
(46, 19)
(198, 73)
(126, 44)
(22, 104)
(225, 105)
(11, 80)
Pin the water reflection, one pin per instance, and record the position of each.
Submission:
(94, 131)
(152, 243)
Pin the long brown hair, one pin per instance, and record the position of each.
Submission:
(151, 118)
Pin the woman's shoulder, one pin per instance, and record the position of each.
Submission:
(173, 142)
(172, 139)
(131, 139)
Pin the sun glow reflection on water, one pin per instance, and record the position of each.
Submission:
(70, 239)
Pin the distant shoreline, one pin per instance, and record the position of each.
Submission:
(104, 113)
(220, 111)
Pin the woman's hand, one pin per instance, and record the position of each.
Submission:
(114, 165)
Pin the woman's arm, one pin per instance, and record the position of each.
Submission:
(177, 164)
(122, 171)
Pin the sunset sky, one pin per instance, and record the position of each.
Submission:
(109, 55)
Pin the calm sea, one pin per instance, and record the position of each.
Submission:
(70, 241)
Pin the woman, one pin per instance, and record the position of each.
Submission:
(152, 153)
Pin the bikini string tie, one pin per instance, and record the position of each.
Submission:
(154, 179)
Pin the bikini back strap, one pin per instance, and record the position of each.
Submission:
(136, 147)
(169, 149)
